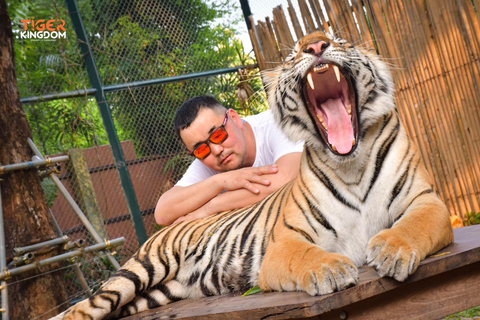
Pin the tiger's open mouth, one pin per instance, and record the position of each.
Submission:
(331, 101)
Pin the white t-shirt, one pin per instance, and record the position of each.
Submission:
(271, 145)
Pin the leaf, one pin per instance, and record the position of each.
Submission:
(254, 290)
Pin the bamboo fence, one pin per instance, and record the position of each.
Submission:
(433, 47)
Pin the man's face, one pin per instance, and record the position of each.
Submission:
(228, 155)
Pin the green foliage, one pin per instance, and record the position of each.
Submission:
(467, 314)
(45, 67)
(253, 290)
(472, 218)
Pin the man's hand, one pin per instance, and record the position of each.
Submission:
(246, 177)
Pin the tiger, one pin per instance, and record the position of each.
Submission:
(362, 196)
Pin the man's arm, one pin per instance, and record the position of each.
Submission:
(179, 201)
(288, 168)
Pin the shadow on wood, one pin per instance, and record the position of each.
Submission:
(444, 283)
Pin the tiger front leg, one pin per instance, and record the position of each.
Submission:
(422, 230)
(297, 265)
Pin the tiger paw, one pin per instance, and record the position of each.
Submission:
(317, 274)
(391, 255)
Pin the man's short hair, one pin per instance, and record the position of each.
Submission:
(188, 112)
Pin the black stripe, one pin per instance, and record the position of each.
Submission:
(193, 278)
(382, 85)
(127, 274)
(125, 310)
(367, 65)
(163, 262)
(247, 232)
(317, 214)
(152, 303)
(233, 251)
(205, 290)
(247, 263)
(372, 95)
(164, 289)
(402, 180)
(244, 215)
(148, 266)
(278, 197)
(305, 211)
(293, 120)
(226, 231)
(216, 278)
(326, 181)
(399, 185)
(99, 294)
(424, 192)
(110, 300)
(300, 231)
(292, 101)
(194, 250)
(382, 153)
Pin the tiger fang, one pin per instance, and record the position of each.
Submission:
(337, 72)
(310, 81)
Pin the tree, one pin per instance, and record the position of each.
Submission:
(26, 215)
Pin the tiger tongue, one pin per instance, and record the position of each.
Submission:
(340, 130)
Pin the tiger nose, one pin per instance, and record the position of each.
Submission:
(317, 48)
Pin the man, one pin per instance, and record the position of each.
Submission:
(250, 158)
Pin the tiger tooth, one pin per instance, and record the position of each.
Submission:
(334, 148)
(310, 81)
(320, 68)
(337, 72)
(353, 142)
(349, 109)
(322, 121)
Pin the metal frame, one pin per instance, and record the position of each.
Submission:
(101, 98)
(24, 255)
(135, 84)
(3, 265)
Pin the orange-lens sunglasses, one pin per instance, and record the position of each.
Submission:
(218, 136)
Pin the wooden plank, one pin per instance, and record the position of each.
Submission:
(306, 16)
(457, 267)
(282, 31)
(321, 16)
(431, 298)
(293, 17)
(256, 45)
(366, 36)
(273, 43)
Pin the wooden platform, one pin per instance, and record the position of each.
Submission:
(445, 283)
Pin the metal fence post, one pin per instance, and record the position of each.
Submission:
(246, 12)
(100, 96)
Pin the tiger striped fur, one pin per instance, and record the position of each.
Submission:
(368, 202)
